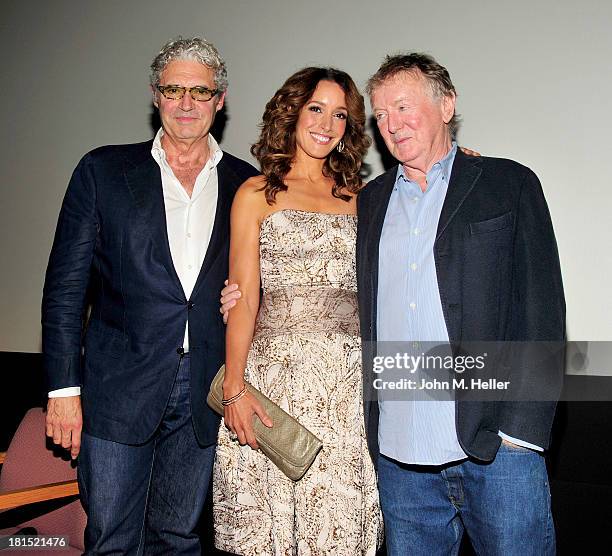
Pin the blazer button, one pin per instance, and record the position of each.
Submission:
(180, 351)
(190, 305)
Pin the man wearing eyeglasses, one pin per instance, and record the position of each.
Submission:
(144, 230)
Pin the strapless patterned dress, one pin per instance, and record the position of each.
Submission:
(306, 357)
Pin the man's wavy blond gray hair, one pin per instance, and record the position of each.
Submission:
(436, 76)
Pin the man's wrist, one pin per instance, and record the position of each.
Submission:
(519, 442)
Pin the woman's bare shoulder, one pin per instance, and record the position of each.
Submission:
(250, 195)
(253, 184)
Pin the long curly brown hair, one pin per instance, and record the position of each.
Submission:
(276, 147)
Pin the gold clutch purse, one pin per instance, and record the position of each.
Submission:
(289, 445)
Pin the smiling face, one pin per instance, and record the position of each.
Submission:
(322, 121)
(187, 120)
(411, 120)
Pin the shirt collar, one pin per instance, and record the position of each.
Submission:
(159, 154)
(444, 165)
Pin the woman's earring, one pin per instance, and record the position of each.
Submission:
(340, 146)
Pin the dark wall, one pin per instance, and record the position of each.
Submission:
(580, 463)
(22, 386)
(580, 459)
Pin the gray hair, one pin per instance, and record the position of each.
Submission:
(416, 63)
(196, 49)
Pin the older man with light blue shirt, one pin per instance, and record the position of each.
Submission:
(409, 310)
(450, 248)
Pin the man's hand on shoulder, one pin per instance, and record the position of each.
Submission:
(469, 152)
(65, 422)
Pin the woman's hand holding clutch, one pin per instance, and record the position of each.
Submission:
(239, 417)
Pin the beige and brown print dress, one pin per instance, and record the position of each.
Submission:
(306, 357)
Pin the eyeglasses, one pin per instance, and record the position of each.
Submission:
(176, 92)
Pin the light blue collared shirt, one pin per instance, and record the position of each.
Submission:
(410, 310)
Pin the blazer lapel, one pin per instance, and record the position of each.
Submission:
(465, 174)
(379, 202)
(227, 180)
(144, 183)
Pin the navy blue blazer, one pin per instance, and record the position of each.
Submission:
(499, 280)
(111, 253)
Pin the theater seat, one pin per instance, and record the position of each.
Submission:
(38, 488)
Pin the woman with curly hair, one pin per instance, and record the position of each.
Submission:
(293, 232)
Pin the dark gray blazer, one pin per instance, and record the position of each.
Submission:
(499, 280)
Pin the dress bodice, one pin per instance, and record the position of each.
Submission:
(301, 248)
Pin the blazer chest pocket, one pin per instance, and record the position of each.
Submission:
(493, 225)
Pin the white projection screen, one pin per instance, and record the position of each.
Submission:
(534, 82)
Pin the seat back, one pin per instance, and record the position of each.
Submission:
(30, 462)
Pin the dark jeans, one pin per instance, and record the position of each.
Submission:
(147, 499)
(504, 506)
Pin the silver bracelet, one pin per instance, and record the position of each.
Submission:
(234, 399)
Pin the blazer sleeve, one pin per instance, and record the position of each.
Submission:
(537, 323)
(67, 279)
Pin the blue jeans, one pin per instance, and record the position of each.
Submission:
(147, 499)
(504, 506)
